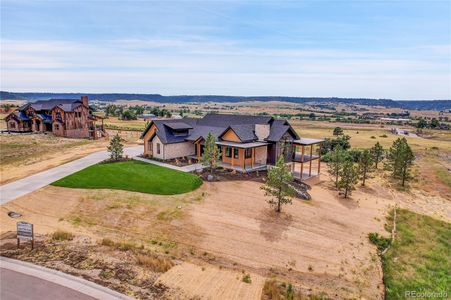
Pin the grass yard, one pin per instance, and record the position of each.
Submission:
(419, 259)
(135, 176)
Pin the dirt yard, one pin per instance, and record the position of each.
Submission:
(225, 230)
(27, 154)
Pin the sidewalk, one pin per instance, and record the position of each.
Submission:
(189, 168)
(37, 280)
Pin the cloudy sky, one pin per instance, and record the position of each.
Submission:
(378, 49)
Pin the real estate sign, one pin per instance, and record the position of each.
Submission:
(24, 231)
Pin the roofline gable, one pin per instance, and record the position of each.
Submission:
(226, 130)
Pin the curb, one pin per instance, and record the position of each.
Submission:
(75, 283)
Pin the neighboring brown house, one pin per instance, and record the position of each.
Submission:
(247, 143)
(70, 118)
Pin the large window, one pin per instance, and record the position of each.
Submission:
(158, 148)
(12, 125)
(228, 151)
(235, 153)
(248, 153)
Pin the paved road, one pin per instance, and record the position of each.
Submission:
(13, 190)
(20, 280)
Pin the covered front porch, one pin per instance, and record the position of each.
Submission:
(306, 161)
(243, 157)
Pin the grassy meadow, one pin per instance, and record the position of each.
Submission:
(419, 259)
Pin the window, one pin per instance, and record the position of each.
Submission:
(248, 153)
(235, 153)
(57, 126)
(158, 148)
(78, 114)
(228, 152)
(12, 125)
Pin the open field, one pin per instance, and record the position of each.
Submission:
(133, 176)
(419, 259)
(27, 154)
(22, 155)
(115, 123)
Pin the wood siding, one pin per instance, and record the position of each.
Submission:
(230, 136)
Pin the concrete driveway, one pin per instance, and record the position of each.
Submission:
(21, 280)
(13, 190)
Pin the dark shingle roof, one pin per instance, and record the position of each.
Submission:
(220, 120)
(178, 125)
(65, 104)
(217, 124)
(278, 129)
(246, 132)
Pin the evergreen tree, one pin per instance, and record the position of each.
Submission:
(211, 155)
(116, 148)
(336, 160)
(278, 185)
(400, 159)
(366, 165)
(377, 151)
(338, 131)
(348, 178)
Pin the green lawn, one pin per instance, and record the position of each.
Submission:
(420, 258)
(133, 176)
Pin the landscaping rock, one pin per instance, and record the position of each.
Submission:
(210, 177)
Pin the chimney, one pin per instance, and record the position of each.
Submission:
(85, 100)
(262, 131)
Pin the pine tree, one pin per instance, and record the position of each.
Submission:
(278, 185)
(348, 178)
(377, 151)
(338, 131)
(366, 165)
(116, 148)
(211, 154)
(337, 157)
(400, 159)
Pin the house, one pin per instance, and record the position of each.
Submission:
(63, 117)
(247, 143)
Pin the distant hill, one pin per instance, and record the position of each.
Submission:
(406, 104)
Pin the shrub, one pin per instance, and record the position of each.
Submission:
(156, 264)
(373, 137)
(107, 242)
(61, 235)
(381, 242)
(247, 278)
(383, 136)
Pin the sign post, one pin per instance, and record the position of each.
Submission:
(25, 232)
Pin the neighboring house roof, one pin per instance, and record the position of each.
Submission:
(65, 104)
(218, 124)
(19, 115)
(45, 118)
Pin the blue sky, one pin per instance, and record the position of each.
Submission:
(378, 49)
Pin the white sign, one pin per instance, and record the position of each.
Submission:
(24, 231)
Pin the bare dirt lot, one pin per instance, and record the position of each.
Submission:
(225, 230)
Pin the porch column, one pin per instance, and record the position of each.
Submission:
(310, 168)
(198, 151)
(302, 161)
(244, 159)
(233, 154)
(253, 157)
(33, 126)
(319, 159)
